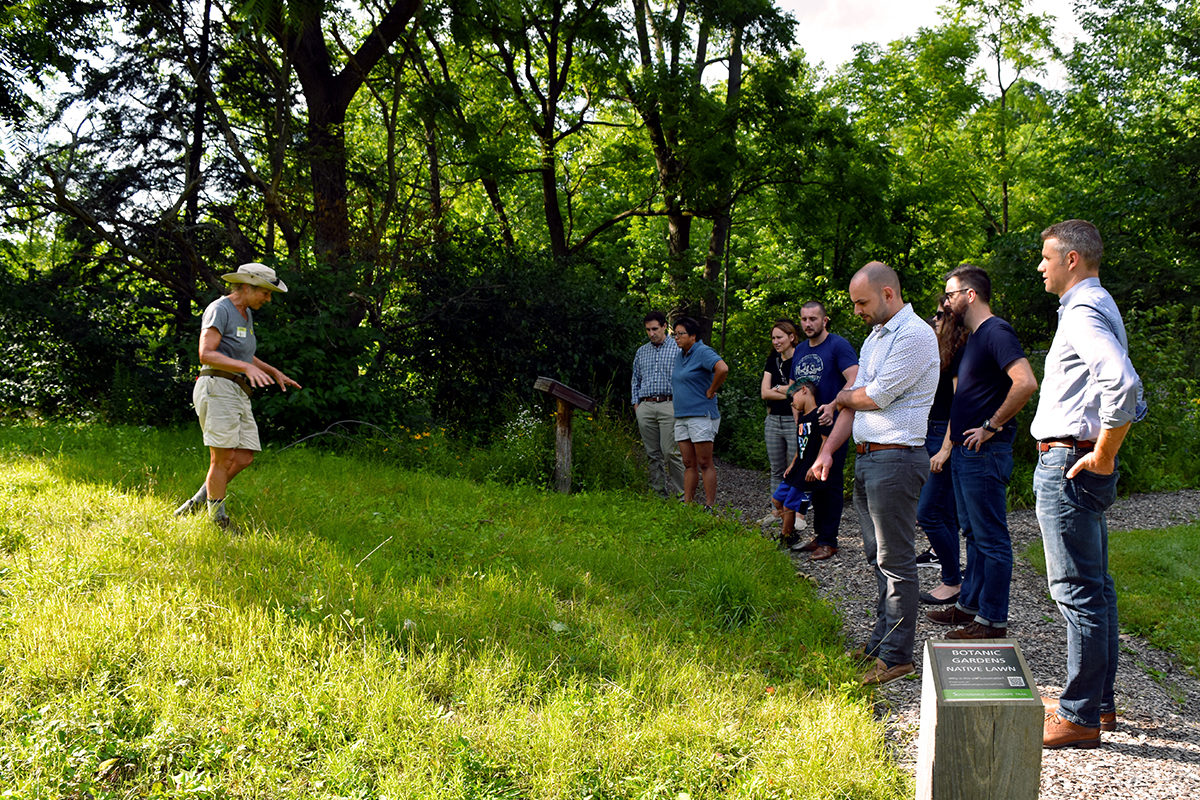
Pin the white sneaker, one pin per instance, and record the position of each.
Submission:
(801, 523)
(770, 519)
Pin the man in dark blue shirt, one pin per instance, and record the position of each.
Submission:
(994, 382)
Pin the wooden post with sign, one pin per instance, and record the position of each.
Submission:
(981, 723)
(568, 400)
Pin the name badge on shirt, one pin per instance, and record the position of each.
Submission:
(241, 332)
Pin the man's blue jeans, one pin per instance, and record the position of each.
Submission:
(980, 485)
(887, 485)
(1075, 537)
(936, 512)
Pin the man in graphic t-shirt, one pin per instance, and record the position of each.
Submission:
(830, 363)
(994, 382)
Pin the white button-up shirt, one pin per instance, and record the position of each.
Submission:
(899, 369)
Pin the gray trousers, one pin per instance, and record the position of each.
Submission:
(780, 433)
(887, 486)
(656, 423)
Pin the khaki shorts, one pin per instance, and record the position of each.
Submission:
(225, 415)
(696, 429)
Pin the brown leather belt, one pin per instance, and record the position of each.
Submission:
(862, 448)
(1077, 444)
(237, 377)
(654, 398)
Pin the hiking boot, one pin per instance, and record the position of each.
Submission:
(190, 506)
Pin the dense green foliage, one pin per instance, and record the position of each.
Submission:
(384, 633)
(467, 195)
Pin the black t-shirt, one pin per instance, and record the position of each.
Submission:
(780, 370)
(982, 382)
(940, 411)
(808, 445)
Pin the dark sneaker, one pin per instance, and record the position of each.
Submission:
(929, 559)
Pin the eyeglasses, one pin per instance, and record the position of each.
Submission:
(939, 314)
(948, 295)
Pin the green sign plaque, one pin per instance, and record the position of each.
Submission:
(980, 671)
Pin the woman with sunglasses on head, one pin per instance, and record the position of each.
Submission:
(779, 428)
(936, 511)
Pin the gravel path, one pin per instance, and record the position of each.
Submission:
(1155, 751)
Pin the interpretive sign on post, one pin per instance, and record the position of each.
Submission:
(981, 722)
(568, 400)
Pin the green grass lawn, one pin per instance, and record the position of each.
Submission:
(1157, 574)
(378, 632)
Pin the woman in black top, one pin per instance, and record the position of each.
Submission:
(779, 427)
(936, 511)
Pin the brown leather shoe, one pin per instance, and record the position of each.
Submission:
(974, 630)
(949, 616)
(880, 673)
(808, 546)
(822, 552)
(1108, 719)
(1058, 732)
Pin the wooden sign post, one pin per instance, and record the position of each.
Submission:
(568, 400)
(981, 723)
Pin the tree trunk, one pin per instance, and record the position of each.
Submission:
(554, 219)
(723, 214)
(327, 96)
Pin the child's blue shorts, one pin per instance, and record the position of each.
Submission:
(793, 499)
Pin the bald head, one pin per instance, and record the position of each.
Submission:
(875, 292)
(879, 275)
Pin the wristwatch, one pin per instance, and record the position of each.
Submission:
(987, 426)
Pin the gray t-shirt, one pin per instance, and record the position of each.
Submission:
(237, 333)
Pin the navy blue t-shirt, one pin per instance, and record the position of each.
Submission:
(982, 382)
(824, 365)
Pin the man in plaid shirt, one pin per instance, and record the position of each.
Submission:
(653, 406)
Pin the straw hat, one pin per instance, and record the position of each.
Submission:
(256, 274)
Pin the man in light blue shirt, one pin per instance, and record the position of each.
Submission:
(652, 399)
(1090, 396)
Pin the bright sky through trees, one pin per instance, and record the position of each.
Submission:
(828, 30)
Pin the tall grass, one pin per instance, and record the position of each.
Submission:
(377, 632)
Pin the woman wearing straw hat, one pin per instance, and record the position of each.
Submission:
(229, 373)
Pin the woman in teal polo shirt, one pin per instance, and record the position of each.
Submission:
(699, 373)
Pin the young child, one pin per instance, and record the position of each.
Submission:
(792, 497)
